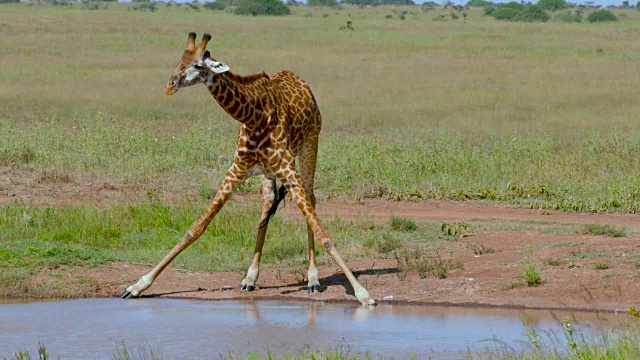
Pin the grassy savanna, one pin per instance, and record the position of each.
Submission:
(538, 114)
(534, 113)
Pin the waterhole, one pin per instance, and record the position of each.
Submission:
(198, 329)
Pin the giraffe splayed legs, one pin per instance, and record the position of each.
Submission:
(280, 121)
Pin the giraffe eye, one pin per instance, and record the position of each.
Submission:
(197, 67)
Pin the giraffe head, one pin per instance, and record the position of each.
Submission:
(196, 65)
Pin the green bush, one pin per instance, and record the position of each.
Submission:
(506, 13)
(489, 10)
(532, 13)
(261, 7)
(513, 5)
(553, 4)
(216, 5)
(401, 224)
(601, 16)
(478, 3)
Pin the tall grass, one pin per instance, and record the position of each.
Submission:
(539, 114)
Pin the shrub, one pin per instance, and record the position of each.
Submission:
(601, 16)
(401, 224)
(553, 4)
(453, 230)
(513, 5)
(489, 10)
(532, 13)
(478, 3)
(531, 274)
(506, 13)
(261, 7)
(216, 5)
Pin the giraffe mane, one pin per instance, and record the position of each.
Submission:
(246, 80)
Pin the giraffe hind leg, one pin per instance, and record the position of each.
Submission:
(270, 200)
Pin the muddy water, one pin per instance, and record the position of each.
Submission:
(93, 328)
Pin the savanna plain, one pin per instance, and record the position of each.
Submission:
(467, 162)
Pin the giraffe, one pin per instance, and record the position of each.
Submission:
(280, 121)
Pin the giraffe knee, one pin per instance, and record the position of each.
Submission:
(327, 244)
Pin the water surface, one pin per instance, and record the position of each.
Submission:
(198, 329)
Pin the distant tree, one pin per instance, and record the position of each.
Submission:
(397, 2)
(601, 16)
(625, 4)
(216, 5)
(513, 5)
(478, 3)
(9, 1)
(506, 13)
(362, 2)
(261, 7)
(532, 13)
(328, 3)
(553, 5)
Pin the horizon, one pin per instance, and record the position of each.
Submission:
(603, 3)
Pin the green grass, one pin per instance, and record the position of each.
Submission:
(603, 229)
(47, 240)
(412, 110)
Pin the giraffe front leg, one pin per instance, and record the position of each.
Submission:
(234, 177)
(291, 180)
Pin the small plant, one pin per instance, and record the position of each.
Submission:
(451, 230)
(415, 261)
(401, 224)
(553, 262)
(601, 266)
(480, 249)
(634, 312)
(513, 285)
(388, 243)
(574, 265)
(603, 229)
(531, 274)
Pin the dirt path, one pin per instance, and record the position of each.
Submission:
(567, 263)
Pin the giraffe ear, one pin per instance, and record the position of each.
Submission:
(216, 66)
(207, 55)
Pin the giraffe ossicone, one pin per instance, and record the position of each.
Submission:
(280, 122)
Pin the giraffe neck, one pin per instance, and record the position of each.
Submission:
(242, 97)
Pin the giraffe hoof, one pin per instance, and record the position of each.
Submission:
(246, 287)
(126, 294)
(314, 288)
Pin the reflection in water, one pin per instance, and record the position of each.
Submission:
(93, 328)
